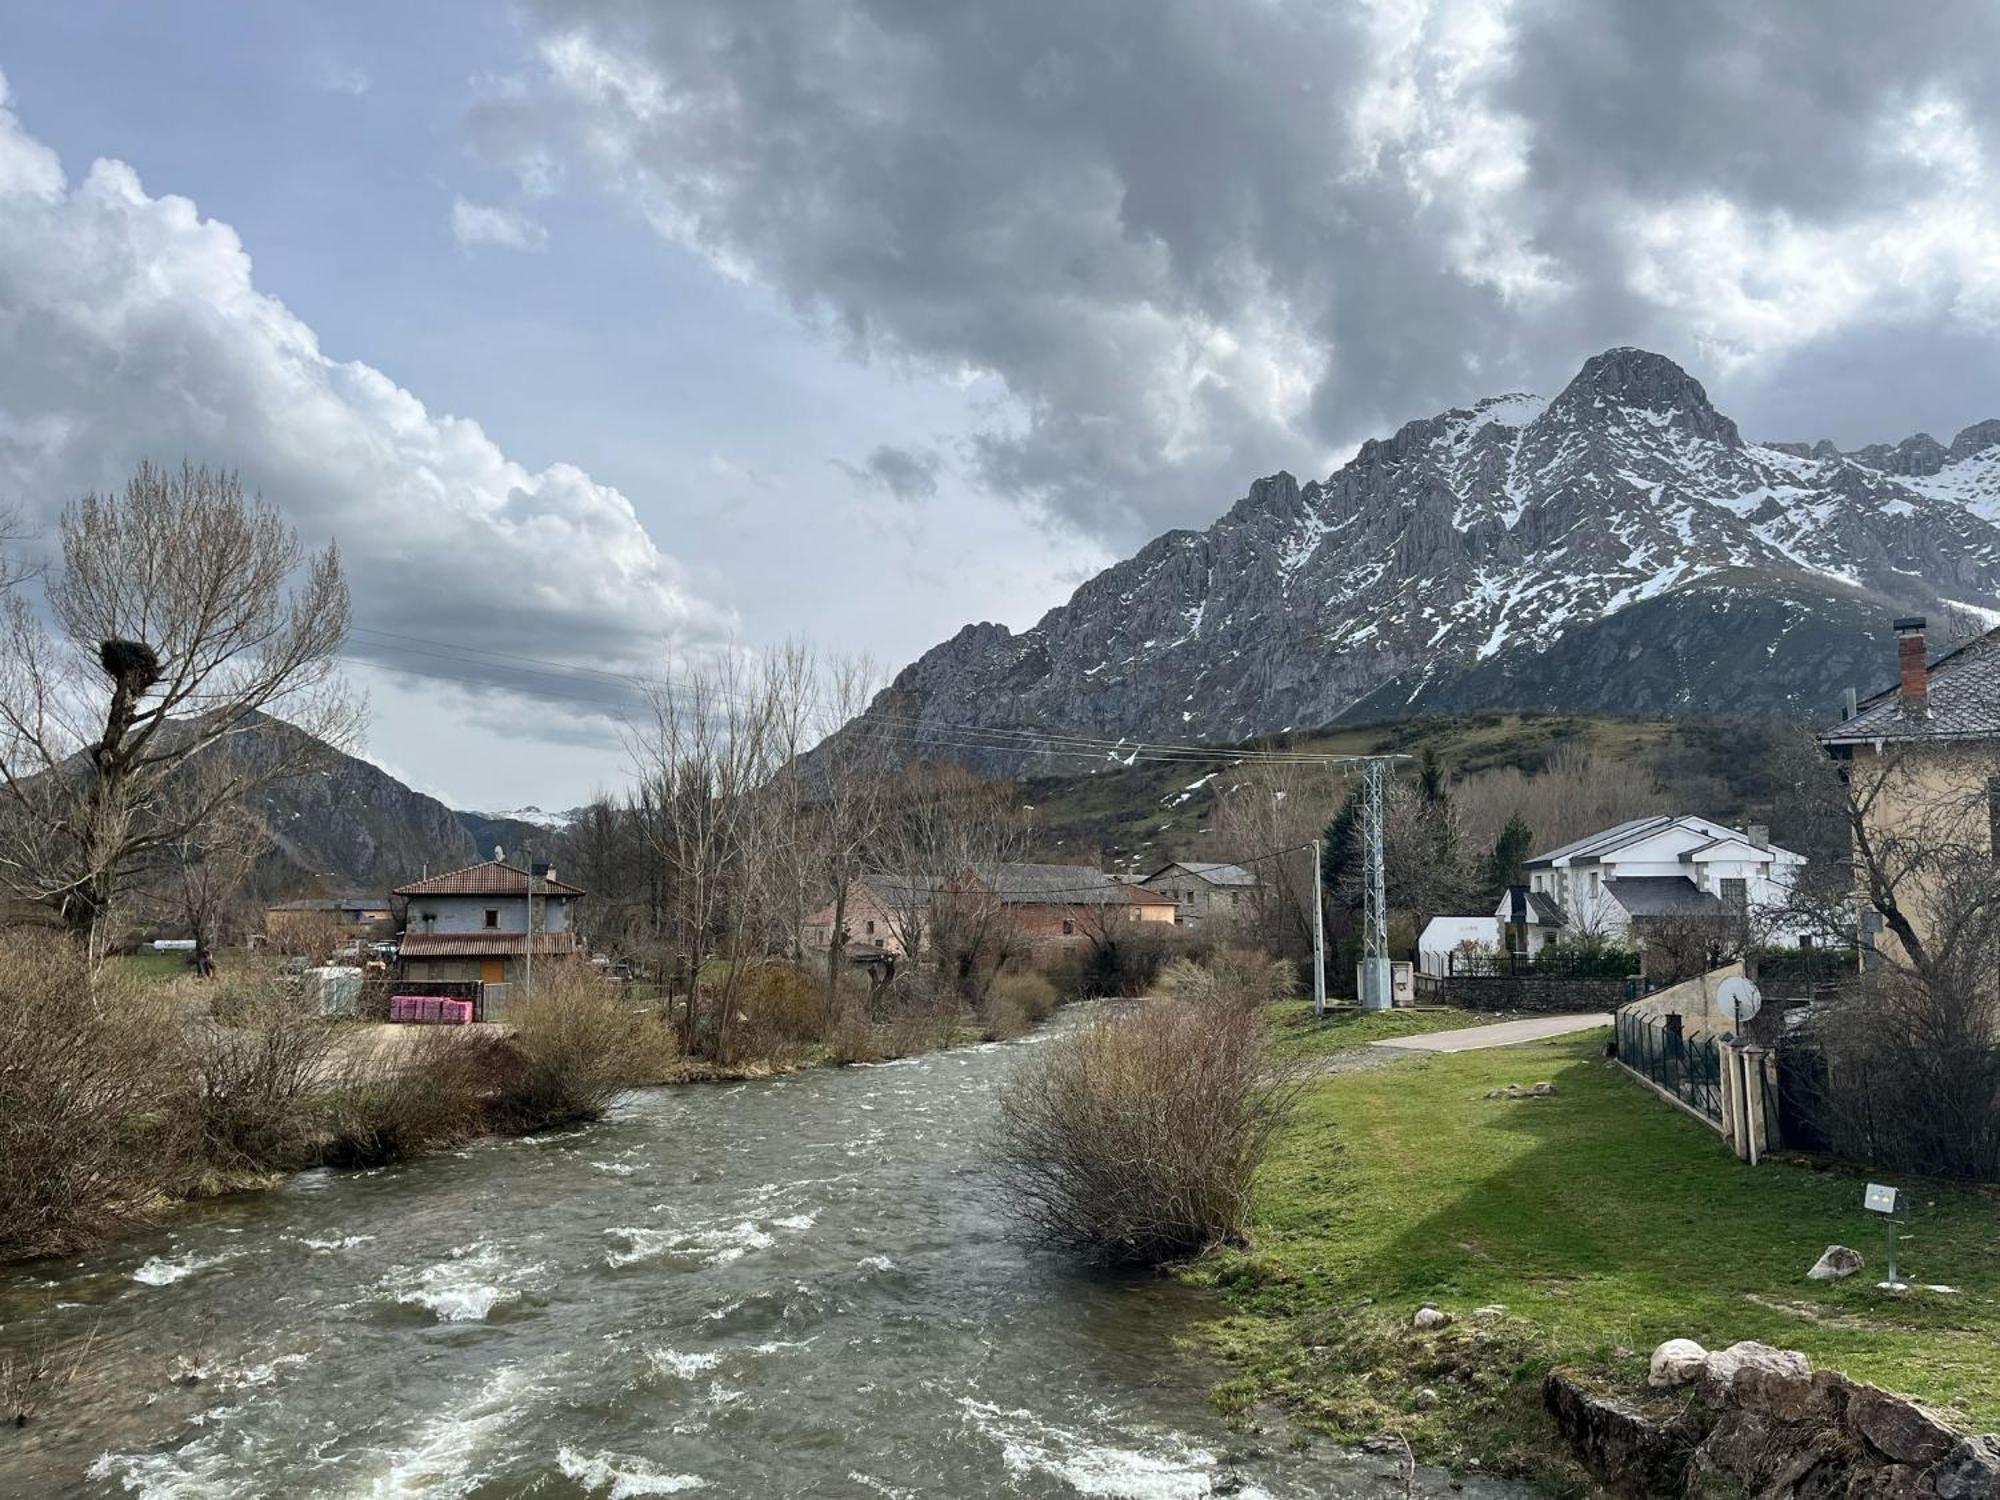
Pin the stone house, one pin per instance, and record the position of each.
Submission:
(1922, 760)
(1040, 910)
(475, 924)
(1203, 890)
(351, 916)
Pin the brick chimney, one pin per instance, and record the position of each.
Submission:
(1913, 677)
(1760, 835)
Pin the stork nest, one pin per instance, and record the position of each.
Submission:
(132, 664)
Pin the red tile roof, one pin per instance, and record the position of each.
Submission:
(486, 945)
(490, 878)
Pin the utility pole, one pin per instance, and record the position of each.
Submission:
(1375, 990)
(528, 963)
(1319, 928)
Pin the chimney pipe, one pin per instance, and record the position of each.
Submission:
(1849, 704)
(1913, 677)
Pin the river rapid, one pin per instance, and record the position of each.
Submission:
(801, 1287)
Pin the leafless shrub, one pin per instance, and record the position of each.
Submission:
(29, 1377)
(429, 1093)
(1030, 991)
(1006, 1018)
(1133, 1141)
(85, 1142)
(1911, 1075)
(257, 1067)
(1229, 976)
(780, 1011)
(574, 1046)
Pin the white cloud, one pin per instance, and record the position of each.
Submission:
(474, 224)
(130, 328)
(1752, 283)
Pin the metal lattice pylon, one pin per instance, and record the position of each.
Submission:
(1374, 888)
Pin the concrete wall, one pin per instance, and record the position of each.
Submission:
(1693, 1000)
(464, 914)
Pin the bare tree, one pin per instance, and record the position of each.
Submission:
(181, 614)
(703, 761)
(205, 866)
(942, 827)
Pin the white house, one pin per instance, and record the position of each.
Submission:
(1444, 936)
(1656, 867)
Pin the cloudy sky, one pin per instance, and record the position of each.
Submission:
(595, 330)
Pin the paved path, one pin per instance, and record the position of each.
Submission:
(1499, 1034)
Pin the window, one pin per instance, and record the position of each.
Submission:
(1735, 893)
(1069, 928)
(869, 928)
(492, 916)
(1593, 882)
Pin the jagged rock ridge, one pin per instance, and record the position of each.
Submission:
(1620, 546)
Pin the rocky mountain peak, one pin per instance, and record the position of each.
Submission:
(1620, 548)
(1642, 382)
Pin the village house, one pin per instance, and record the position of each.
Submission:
(1923, 761)
(1654, 871)
(1658, 868)
(476, 924)
(1203, 891)
(1043, 908)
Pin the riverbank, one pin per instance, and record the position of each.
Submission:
(1579, 1230)
(808, 1285)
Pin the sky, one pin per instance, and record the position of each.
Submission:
(606, 334)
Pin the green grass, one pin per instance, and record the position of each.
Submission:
(1297, 1034)
(1604, 1220)
(154, 967)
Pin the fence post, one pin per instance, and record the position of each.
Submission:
(1731, 1083)
(1753, 1078)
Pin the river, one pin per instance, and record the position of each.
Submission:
(801, 1287)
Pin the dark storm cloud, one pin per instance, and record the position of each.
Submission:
(904, 473)
(1197, 242)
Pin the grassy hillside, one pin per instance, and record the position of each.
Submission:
(1150, 813)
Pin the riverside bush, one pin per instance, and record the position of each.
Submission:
(258, 1065)
(1229, 976)
(86, 1141)
(574, 1046)
(779, 1011)
(1133, 1141)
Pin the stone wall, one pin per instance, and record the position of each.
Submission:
(1532, 992)
(1762, 1421)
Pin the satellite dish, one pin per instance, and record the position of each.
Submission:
(1738, 999)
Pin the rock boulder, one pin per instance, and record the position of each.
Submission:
(1838, 1261)
(1676, 1362)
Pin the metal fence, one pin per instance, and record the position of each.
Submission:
(1688, 1068)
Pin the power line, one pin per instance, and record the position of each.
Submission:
(884, 724)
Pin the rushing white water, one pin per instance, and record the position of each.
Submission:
(803, 1287)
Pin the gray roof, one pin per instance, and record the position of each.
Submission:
(1605, 839)
(1214, 874)
(1067, 885)
(333, 903)
(1548, 911)
(1662, 896)
(1964, 702)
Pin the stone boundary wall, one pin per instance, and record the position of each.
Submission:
(1550, 993)
(1763, 1422)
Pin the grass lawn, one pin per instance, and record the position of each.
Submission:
(1296, 1033)
(1604, 1220)
(154, 967)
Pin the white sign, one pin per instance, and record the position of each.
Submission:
(1738, 999)
(1879, 1199)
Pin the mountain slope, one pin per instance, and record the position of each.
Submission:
(1619, 547)
(348, 825)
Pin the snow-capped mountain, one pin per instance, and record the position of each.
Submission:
(1620, 546)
